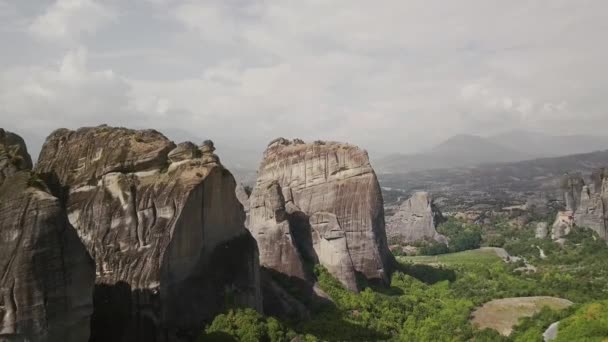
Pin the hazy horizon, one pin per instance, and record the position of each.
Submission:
(398, 78)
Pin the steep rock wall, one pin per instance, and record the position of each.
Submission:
(319, 203)
(163, 225)
(416, 220)
(47, 276)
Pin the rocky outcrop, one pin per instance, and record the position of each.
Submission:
(564, 222)
(572, 186)
(242, 194)
(416, 220)
(542, 230)
(46, 284)
(319, 203)
(592, 212)
(586, 204)
(163, 225)
(13, 155)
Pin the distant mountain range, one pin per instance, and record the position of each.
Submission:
(472, 150)
(499, 184)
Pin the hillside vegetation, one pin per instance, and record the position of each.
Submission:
(432, 298)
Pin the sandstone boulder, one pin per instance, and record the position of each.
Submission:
(163, 225)
(46, 285)
(319, 203)
(416, 220)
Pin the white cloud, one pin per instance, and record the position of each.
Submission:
(393, 77)
(37, 100)
(67, 19)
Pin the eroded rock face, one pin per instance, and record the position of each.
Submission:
(587, 204)
(592, 211)
(163, 225)
(542, 230)
(319, 203)
(416, 220)
(46, 285)
(270, 227)
(572, 186)
(564, 222)
(13, 155)
(242, 193)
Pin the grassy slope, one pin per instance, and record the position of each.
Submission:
(484, 256)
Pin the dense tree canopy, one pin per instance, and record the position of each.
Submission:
(434, 301)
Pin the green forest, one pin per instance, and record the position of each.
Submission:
(432, 298)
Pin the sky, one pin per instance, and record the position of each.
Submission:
(390, 76)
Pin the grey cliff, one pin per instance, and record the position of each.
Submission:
(163, 225)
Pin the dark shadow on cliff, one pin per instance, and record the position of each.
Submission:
(330, 325)
(378, 285)
(223, 282)
(290, 298)
(63, 270)
(294, 301)
(121, 315)
(54, 185)
(428, 274)
(301, 231)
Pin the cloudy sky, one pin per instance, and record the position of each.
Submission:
(390, 75)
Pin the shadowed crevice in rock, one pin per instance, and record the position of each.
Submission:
(301, 231)
(113, 319)
(290, 298)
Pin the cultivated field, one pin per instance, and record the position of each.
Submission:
(503, 314)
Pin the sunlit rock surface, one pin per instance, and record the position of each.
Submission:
(162, 223)
(319, 203)
(416, 220)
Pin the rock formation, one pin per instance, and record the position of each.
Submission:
(416, 220)
(542, 230)
(13, 155)
(586, 204)
(46, 284)
(242, 194)
(592, 212)
(319, 203)
(163, 225)
(564, 222)
(572, 186)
